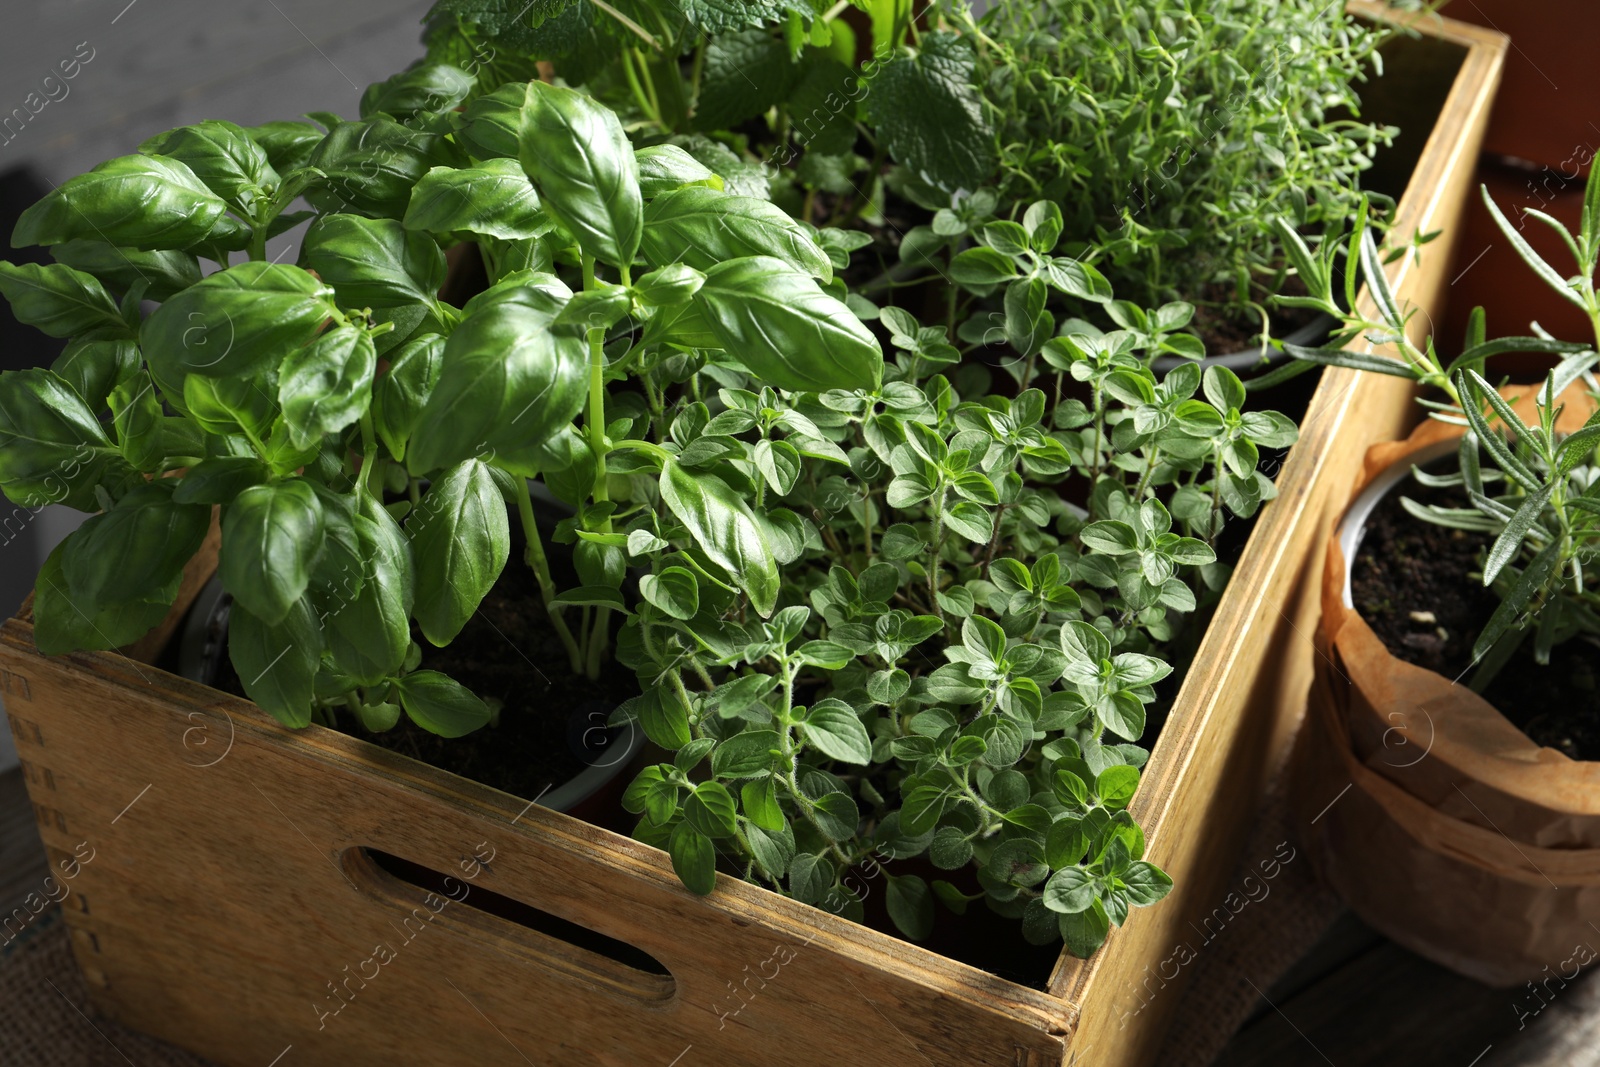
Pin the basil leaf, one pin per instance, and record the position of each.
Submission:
(507, 382)
(374, 263)
(491, 125)
(135, 549)
(223, 157)
(326, 386)
(271, 535)
(219, 479)
(665, 167)
(140, 201)
(441, 705)
(704, 227)
(288, 145)
(58, 300)
(226, 406)
(60, 627)
(423, 87)
(726, 530)
(166, 272)
(233, 323)
(581, 161)
(494, 198)
(460, 539)
(776, 323)
(369, 634)
(369, 168)
(94, 367)
(403, 390)
(52, 448)
(277, 663)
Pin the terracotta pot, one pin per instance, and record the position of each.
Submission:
(1438, 821)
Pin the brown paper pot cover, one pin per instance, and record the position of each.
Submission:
(1437, 820)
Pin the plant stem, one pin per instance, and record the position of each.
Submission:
(369, 454)
(933, 560)
(534, 556)
(258, 243)
(594, 422)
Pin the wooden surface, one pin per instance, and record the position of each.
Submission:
(220, 906)
(250, 850)
(1242, 701)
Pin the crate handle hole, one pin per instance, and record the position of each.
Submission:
(488, 911)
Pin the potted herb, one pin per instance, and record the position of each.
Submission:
(1458, 610)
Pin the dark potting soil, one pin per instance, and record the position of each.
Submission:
(1420, 588)
(552, 722)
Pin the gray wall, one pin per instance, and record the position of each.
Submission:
(144, 67)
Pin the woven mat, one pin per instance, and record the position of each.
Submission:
(45, 1018)
(46, 1021)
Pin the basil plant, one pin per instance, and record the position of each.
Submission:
(365, 441)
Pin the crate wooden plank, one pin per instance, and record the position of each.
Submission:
(222, 906)
(1244, 697)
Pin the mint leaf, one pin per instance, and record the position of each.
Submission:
(928, 112)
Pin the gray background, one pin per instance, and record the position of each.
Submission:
(163, 63)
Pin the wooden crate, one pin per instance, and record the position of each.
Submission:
(233, 901)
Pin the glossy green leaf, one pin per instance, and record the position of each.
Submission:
(135, 549)
(507, 381)
(422, 87)
(725, 529)
(139, 201)
(581, 161)
(327, 385)
(460, 540)
(233, 323)
(271, 535)
(277, 663)
(370, 167)
(373, 262)
(164, 272)
(53, 450)
(440, 704)
(288, 144)
(58, 300)
(94, 367)
(223, 157)
(494, 198)
(704, 227)
(665, 167)
(60, 626)
(775, 321)
(402, 391)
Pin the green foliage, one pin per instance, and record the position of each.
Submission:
(862, 612)
(1539, 494)
(1172, 134)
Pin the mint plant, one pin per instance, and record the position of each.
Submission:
(1536, 491)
